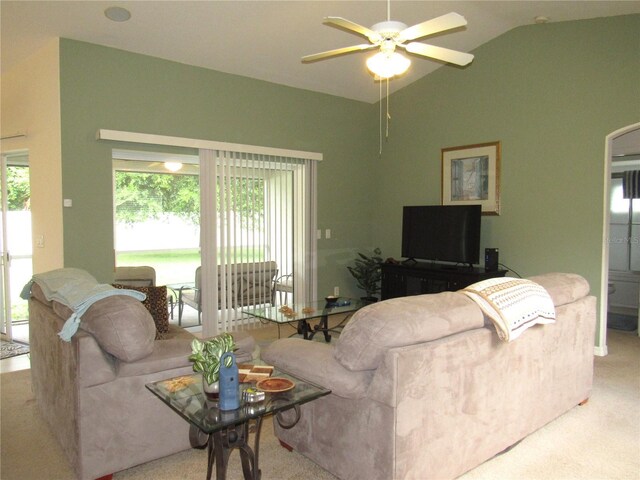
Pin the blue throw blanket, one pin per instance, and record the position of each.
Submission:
(76, 289)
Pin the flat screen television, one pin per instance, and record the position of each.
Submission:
(442, 233)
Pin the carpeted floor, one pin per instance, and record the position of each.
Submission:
(598, 441)
(29, 451)
(12, 349)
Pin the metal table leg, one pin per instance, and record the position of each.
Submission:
(322, 326)
(222, 442)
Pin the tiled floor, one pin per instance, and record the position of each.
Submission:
(13, 364)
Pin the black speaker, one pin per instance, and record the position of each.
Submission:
(491, 259)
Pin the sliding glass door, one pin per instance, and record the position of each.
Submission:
(220, 162)
(16, 242)
(257, 230)
(254, 234)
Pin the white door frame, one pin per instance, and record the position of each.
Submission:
(5, 284)
(601, 333)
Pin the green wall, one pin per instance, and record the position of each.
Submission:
(107, 88)
(550, 93)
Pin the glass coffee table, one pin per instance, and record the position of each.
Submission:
(223, 431)
(302, 314)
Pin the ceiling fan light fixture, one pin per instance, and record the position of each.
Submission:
(388, 64)
(173, 166)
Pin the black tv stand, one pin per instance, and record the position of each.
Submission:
(452, 267)
(416, 278)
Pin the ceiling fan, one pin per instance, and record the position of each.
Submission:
(389, 35)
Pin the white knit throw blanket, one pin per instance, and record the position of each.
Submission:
(512, 304)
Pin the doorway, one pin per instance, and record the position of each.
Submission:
(622, 145)
(16, 244)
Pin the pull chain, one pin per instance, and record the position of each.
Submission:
(387, 116)
(380, 118)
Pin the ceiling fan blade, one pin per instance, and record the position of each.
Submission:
(353, 27)
(439, 53)
(338, 51)
(435, 25)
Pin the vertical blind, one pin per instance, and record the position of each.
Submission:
(631, 184)
(257, 226)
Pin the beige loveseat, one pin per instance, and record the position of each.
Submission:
(91, 390)
(422, 388)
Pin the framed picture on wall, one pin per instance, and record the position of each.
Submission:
(471, 176)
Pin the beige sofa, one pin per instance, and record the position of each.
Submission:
(423, 388)
(91, 391)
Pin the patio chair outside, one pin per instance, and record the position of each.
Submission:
(191, 296)
(141, 276)
(253, 284)
(284, 286)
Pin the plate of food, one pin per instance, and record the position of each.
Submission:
(275, 384)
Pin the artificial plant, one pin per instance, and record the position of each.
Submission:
(206, 355)
(367, 272)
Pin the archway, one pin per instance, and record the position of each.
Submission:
(612, 146)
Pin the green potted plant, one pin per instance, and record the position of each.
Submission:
(367, 272)
(206, 355)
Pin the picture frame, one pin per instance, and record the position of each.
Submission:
(471, 175)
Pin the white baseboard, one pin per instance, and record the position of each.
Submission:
(600, 351)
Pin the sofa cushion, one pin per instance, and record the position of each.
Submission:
(167, 355)
(156, 303)
(122, 326)
(403, 321)
(314, 362)
(563, 288)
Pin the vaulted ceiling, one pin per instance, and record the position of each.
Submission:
(266, 39)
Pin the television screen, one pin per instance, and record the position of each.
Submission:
(444, 233)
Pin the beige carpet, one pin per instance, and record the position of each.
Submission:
(598, 441)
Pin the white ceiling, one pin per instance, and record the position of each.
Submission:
(266, 39)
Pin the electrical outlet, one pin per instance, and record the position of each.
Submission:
(336, 291)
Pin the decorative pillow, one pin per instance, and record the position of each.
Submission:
(512, 304)
(156, 303)
(121, 326)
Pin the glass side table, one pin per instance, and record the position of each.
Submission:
(223, 431)
(306, 312)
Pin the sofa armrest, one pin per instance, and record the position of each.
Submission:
(167, 355)
(314, 362)
(95, 366)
